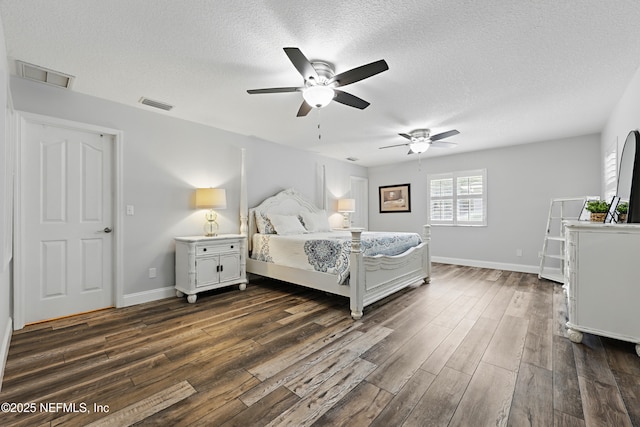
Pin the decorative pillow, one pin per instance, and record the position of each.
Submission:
(315, 222)
(263, 224)
(287, 224)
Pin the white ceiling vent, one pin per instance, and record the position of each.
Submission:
(155, 104)
(44, 75)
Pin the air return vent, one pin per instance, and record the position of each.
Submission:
(155, 104)
(44, 75)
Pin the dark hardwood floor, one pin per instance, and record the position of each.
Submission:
(476, 347)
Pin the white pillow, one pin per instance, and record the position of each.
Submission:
(263, 224)
(287, 224)
(315, 222)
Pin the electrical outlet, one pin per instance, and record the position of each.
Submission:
(518, 252)
(130, 210)
(152, 273)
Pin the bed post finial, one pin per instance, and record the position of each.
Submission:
(324, 187)
(244, 211)
(426, 232)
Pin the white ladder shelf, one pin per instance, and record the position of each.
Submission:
(560, 209)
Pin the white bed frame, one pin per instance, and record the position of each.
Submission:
(370, 278)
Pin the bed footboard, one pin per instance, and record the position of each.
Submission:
(374, 278)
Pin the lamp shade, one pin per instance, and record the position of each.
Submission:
(346, 205)
(211, 198)
(318, 96)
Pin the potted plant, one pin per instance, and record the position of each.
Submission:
(622, 209)
(598, 209)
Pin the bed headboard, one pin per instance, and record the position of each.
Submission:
(286, 202)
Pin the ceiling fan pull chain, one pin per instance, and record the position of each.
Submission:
(319, 131)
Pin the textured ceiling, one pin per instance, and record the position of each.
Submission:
(502, 72)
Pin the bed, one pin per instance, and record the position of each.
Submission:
(363, 266)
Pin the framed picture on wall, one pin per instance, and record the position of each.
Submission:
(395, 198)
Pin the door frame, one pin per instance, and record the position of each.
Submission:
(22, 119)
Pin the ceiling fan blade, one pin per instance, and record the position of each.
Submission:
(360, 73)
(302, 64)
(410, 152)
(404, 135)
(391, 146)
(443, 144)
(304, 109)
(444, 135)
(350, 100)
(275, 90)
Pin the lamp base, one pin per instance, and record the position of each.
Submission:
(346, 221)
(211, 226)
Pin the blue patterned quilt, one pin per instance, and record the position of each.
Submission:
(328, 252)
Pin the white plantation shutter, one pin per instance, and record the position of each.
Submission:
(611, 171)
(441, 203)
(458, 198)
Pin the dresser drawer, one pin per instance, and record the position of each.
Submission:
(210, 249)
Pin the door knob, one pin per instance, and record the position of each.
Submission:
(107, 230)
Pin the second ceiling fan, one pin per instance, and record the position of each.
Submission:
(421, 140)
(320, 82)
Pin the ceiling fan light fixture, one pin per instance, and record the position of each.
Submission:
(419, 147)
(318, 96)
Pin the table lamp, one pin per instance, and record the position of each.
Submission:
(346, 206)
(211, 198)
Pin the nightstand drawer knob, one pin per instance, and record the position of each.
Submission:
(231, 246)
(204, 249)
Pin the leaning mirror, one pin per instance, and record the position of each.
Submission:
(629, 175)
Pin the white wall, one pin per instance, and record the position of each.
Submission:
(164, 160)
(521, 181)
(6, 243)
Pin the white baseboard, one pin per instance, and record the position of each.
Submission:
(4, 348)
(170, 291)
(521, 268)
(148, 296)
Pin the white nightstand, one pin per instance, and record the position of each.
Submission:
(204, 263)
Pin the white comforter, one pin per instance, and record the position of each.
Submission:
(327, 252)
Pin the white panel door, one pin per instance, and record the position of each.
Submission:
(67, 197)
(360, 192)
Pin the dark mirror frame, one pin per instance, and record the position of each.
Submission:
(629, 175)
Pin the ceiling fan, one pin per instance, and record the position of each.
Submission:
(320, 82)
(422, 140)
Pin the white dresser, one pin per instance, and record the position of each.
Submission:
(602, 280)
(204, 263)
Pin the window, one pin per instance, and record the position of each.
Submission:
(458, 198)
(610, 166)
